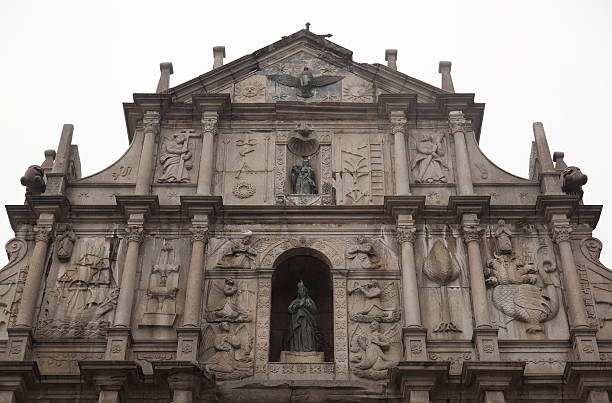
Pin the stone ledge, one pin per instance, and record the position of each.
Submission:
(308, 372)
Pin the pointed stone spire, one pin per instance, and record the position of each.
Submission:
(164, 77)
(391, 58)
(218, 56)
(447, 81)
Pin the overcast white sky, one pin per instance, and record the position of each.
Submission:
(76, 62)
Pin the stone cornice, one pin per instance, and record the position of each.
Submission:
(588, 375)
(549, 205)
(491, 376)
(460, 205)
(220, 103)
(206, 205)
(395, 205)
(146, 205)
(58, 205)
(19, 376)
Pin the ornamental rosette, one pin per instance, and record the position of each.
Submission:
(42, 234)
(134, 234)
(405, 234)
(561, 233)
(199, 234)
(472, 232)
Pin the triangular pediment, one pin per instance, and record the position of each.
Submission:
(273, 73)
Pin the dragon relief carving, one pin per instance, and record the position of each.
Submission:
(522, 290)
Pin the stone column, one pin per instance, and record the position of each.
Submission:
(414, 335)
(151, 123)
(118, 335)
(583, 337)
(31, 289)
(485, 336)
(398, 129)
(459, 126)
(210, 121)
(188, 334)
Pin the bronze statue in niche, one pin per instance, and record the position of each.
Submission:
(303, 178)
(304, 335)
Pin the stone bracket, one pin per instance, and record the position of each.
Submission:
(118, 341)
(483, 376)
(111, 376)
(588, 376)
(409, 377)
(18, 377)
(145, 205)
(19, 343)
(202, 205)
(403, 205)
(184, 378)
(460, 205)
(57, 205)
(550, 205)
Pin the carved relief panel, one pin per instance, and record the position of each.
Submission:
(12, 277)
(523, 283)
(244, 167)
(430, 150)
(177, 156)
(359, 169)
(82, 292)
(441, 260)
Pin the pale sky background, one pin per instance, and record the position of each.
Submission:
(76, 62)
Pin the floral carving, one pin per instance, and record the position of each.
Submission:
(243, 190)
(405, 234)
(42, 234)
(151, 122)
(472, 233)
(561, 233)
(134, 234)
(209, 122)
(199, 234)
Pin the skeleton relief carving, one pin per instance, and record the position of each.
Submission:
(176, 157)
(369, 301)
(228, 300)
(227, 351)
(162, 290)
(442, 268)
(374, 350)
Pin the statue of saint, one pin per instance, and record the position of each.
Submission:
(304, 178)
(175, 158)
(304, 334)
(503, 234)
(429, 162)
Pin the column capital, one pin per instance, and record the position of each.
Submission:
(43, 233)
(210, 122)
(199, 233)
(458, 123)
(134, 233)
(472, 232)
(405, 233)
(398, 122)
(561, 232)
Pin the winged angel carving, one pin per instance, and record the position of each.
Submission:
(305, 82)
(227, 352)
(374, 350)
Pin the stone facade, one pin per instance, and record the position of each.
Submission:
(167, 276)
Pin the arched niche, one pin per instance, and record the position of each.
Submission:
(313, 268)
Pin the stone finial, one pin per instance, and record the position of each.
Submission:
(558, 160)
(218, 56)
(447, 81)
(49, 159)
(164, 77)
(391, 58)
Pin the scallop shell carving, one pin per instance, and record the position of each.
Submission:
(440, 266)
(303, 147)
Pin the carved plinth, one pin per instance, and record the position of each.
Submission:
(301, 357)
(117, 343)
(187, 345)
(304, 371)
(158, 319)
(485, 340)
(303, 200)
(19, 343)
(415, 346)
(585, 344)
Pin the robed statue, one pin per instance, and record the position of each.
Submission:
(304, 333)
(303, 178)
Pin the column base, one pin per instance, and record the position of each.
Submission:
(584, 344)
(415, 343)
(118, 340)
(485, 340)
(19, 343)
(187, 344)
